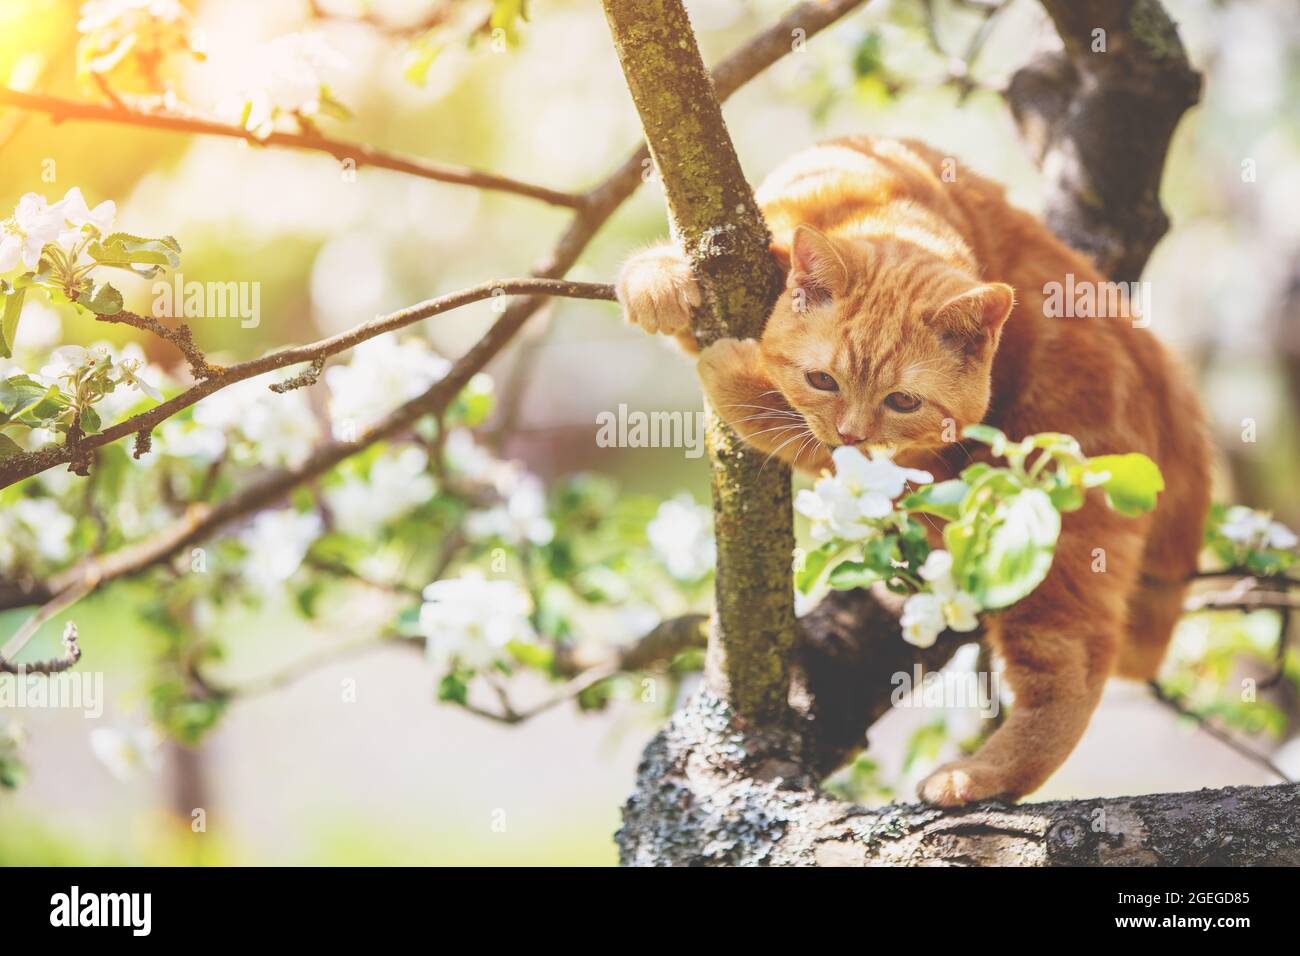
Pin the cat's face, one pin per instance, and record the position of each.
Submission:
(877, 343)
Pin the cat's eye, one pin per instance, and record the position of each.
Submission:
(822, 381)
(902, 402)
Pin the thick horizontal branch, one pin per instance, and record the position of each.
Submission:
(710, 794)
(362, 155)
(24, 465)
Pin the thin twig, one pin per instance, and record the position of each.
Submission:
(71, 654)
(362, 155)
(26, 464)
(1177, 705)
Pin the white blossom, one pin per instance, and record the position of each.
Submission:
(382, 374)
(68, 360)
(277, 541)
(34, 224)
(397, 483)
(279, 430)
(945, 606)
(471, 620)
(681, 534)
(521, 517)
(77, 216)
(861, 491)
(467, 457)
(288, 79)
(127, 751)
(1256, 529)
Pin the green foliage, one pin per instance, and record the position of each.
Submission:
(1003, 521)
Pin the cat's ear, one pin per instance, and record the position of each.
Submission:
(816, 266)
(975, 317)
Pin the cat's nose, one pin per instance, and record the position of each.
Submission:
(848, 439)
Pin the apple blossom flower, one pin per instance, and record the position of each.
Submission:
(470, 620)
(34, 224)
(397, 483)
(681, 534)
(277, 542)
(1256, 529)
(382, 373)
(34, 526)
(945, 607)
(862, 490)
(277, 430)
(77, 216)
(521, 517)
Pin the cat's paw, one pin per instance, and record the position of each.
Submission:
(658, 291)
(961, 782)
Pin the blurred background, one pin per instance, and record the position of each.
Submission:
(357, 760)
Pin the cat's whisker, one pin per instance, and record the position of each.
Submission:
(810, 440)
(777, 450)
(776, 428)
(769, 410)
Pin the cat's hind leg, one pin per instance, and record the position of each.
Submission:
(1058, 647)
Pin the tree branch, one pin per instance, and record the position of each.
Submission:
(24, 465)
(1099, 114)
(60, 110)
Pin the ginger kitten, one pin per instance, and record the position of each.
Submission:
(914, 307)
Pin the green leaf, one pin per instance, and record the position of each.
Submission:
(814, 563)
(453, 689)
(943, 499)
(49, 408)
(145, 257)
(1131, 481)
(103, 300)
(9, 314)
(1021, 544)
(1066, 497)
(408, 623)
(90, 422)
(538, 656)
(17, 394)
(848, 575)
(987, 434)
(868, 58)
(8, 447)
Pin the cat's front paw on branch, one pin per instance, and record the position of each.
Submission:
(657, 291)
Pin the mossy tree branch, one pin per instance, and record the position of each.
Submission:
(718, 224)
